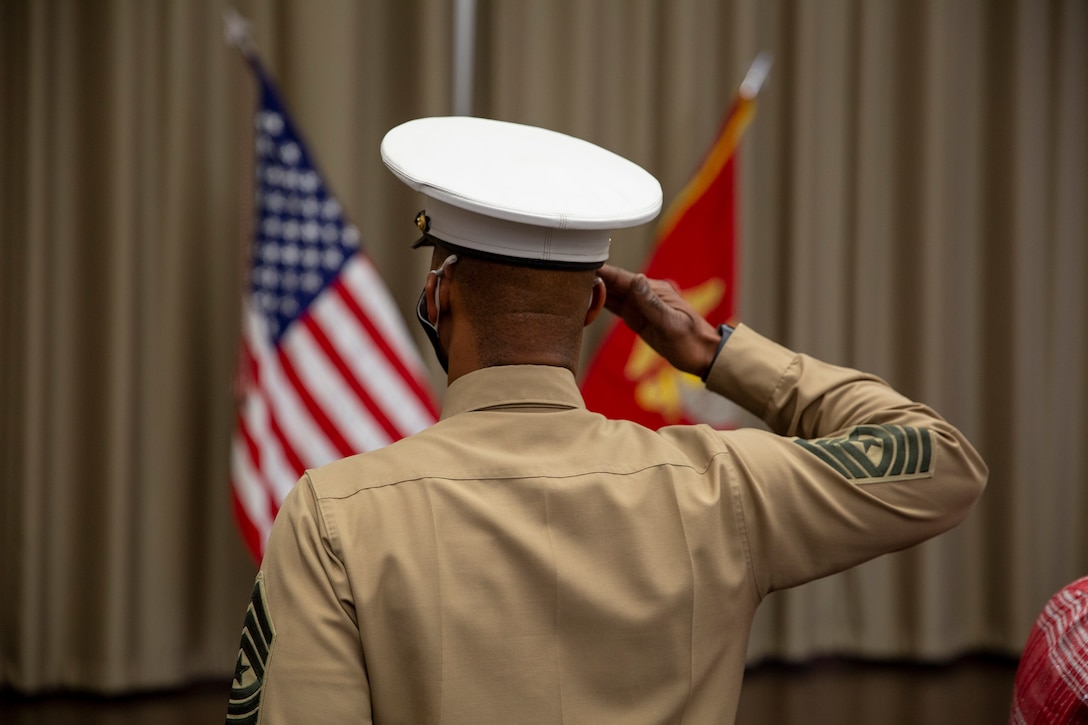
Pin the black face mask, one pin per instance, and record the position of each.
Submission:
(421, 314)
(431, 331)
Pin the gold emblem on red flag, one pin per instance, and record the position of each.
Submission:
(659, 387)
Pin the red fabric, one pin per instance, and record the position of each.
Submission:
(1052, 678)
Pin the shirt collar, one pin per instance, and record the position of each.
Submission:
(512, 385)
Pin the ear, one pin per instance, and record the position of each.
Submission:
(428, 296)
(596, 301)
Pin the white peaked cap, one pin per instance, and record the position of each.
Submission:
(519, 192)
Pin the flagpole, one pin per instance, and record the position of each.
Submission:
(237, 31)
(464, 41)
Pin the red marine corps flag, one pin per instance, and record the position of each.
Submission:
(327, 368)
(696, 251)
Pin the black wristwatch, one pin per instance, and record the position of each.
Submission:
(725, 331)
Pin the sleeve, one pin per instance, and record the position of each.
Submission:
(850, 471)
(302, 659)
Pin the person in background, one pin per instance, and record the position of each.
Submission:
(1051, 685)
(527, 560)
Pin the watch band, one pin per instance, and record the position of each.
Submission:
(725, 331)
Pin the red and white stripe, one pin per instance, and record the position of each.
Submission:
(344, 379)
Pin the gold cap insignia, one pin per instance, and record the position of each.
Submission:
(423, 221)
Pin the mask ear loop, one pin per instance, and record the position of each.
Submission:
(596, 281)
(439, 273)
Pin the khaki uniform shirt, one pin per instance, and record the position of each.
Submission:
(527, 561)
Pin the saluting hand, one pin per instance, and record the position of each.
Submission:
(657, 313)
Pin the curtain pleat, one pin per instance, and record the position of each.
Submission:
(913, 196)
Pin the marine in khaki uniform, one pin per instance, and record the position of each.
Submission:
(525, 560)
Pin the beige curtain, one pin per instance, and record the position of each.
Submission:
(913, 194)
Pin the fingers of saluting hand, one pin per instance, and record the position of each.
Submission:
(617, 282)
(656, 311)
(628, 295)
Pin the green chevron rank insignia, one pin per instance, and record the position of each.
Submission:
(258, 635)
(876, 453)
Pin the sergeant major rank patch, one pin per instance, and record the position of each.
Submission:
(258, 635)
(876, 453)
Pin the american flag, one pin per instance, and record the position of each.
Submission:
(326, 366)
